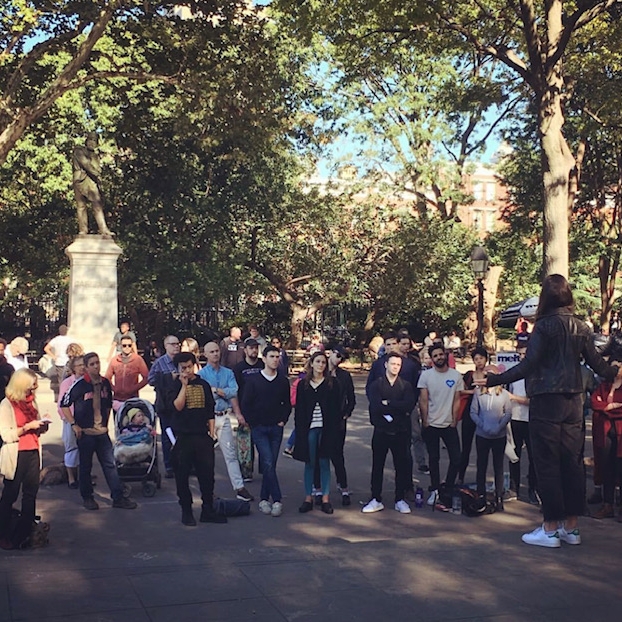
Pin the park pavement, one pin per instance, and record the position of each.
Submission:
(144, 565)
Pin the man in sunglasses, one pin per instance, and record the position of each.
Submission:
(127, 373)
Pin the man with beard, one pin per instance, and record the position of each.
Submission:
(439, 402)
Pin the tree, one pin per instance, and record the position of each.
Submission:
(49, 49)
(527, 39)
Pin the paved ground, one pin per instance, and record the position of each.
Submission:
(143, 565)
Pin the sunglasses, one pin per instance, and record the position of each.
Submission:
(126, 345)
(339, 355)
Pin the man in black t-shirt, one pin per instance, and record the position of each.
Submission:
(194, 429)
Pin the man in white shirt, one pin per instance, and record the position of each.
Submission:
(439, 402)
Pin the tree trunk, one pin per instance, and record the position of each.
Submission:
(557, 164)
(491, 287)
(299, 314)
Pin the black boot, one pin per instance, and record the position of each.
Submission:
(499, 504)
(187, 517)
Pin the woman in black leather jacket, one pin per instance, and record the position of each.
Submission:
(552, 373)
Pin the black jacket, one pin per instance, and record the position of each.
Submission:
(328, 395)
(400, 399)
(553, 360)
(346, 386)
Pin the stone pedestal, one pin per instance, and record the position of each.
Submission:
(93, 302)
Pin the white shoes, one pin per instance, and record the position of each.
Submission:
(569, 537)
(433, 497)
(402, 507)
(265, 507)
(372, 506)
(539, 537)
(277, 508)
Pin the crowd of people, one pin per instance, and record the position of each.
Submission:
(416, 403)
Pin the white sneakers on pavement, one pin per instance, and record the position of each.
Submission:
(372, 506)
(569, 537)
(265, 507)
(277, 508)
(539, 537)
(402, 507)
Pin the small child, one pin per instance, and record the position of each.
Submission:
(137, 431)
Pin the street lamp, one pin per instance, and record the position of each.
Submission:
(479, 266)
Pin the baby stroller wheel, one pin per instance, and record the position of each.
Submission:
(149, 489)
(127, 490)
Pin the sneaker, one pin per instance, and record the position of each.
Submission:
(90, 504)
(210, 516)
(570, 537)
(306, 506)
(289, 452)
(246, 480)
(509, 495)
(187, 518)
(345, 499)
(327, 507)
(539, 537)
(533, 497)
(424, 468)
(277, 508)
(265, 507)
(124, 503)
(433, 497)
(372, 506)
(402, 507)
(243, 495)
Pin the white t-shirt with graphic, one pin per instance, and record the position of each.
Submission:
(442, 387)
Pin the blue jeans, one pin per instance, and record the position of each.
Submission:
(315, 437)
(267, 439)
(100, 445)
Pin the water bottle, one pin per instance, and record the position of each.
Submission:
(419, 497)
(456, 503)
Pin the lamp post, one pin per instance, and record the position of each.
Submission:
(479, 266)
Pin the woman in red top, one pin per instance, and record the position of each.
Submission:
(20, 427)
(607, 439)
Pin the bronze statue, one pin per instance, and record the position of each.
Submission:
(86, 181)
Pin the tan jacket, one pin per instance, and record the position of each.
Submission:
(10, 439)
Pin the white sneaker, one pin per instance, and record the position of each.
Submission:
(569, 537)
(372, 506)
(539, 537)
(277, 508)
(265, 507)
(433, 497)
(402, 507)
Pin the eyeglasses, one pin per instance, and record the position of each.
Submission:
(126, 345)
(172, 343)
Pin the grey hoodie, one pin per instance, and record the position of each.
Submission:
(491, 413)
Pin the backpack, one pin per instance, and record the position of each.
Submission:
(231, 507)
(473, 504)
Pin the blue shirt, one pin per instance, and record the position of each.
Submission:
(221, 378)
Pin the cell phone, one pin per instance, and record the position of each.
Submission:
(46, 420)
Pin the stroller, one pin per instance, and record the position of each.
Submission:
(136, 457)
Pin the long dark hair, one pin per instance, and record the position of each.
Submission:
(555, 294)
(309, 369)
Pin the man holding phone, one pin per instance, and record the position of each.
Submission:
(195, 431)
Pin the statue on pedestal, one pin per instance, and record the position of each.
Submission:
(86, 185)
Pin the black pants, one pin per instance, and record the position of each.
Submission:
(27, 479)
(556, 428)
(194, 451)
(520, 433)
(432, 437)
(338, 460)
(399, 445)
(484, 446)
(612, 465)
(468, 432)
